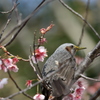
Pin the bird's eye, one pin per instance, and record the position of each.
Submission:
(72, 46)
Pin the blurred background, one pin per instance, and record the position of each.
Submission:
(67, 28)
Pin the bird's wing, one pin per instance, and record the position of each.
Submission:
(62, 80)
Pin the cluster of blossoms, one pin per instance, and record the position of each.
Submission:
(77, 95)
(40, 53)
(3, 82)
(9, 64)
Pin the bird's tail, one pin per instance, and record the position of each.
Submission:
(45, 91)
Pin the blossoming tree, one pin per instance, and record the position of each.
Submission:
(38, 52)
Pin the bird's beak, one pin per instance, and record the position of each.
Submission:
(79, 48)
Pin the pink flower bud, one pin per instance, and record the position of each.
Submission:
(49, 27)
(43, 30)
(29, 83)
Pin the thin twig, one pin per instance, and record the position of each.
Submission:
(80, 16)
(7, 23)
(84, 65)
(86, 15)
(34, 46)
(10, 10)
(33, 85)
(96, 95)
(88, 78)
(18, 86)
(31, 63)
(22, 24)
(18, 16)
(15, 81)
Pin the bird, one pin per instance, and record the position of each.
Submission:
(62, 65)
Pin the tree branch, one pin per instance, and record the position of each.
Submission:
(33, 85)
(88, 78)
(18, 86)
(10, 11)
(83, 66)
(15, 82)
(88, 60)
(86, 15)
(21, 25)
(80, 16)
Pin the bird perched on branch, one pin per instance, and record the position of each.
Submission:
(62, 65)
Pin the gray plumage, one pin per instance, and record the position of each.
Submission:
(61, 81)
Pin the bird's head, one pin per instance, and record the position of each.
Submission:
(71, 48)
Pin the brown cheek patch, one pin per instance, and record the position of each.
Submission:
(68, 49)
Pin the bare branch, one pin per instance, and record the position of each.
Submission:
(9, 18)
(40, 81)
(88, 78)
(31, 63)
(88, 60)
(84, 65)
(16, 83)
(86, 15)
(80, 16)
(10, 11)
(18, 86)
(34, 46)
(7, 23)
(96, 95)
(23, 23)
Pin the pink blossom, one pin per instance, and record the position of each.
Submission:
(15, 60)
(39, 97)
(9, 64)
(2, 67)
(79, 91)
(40, 54)
(77, 95)
(3, 82)
(29, 83)
(13, 68)
(43, 30)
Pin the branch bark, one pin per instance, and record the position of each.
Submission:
(88, 60)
